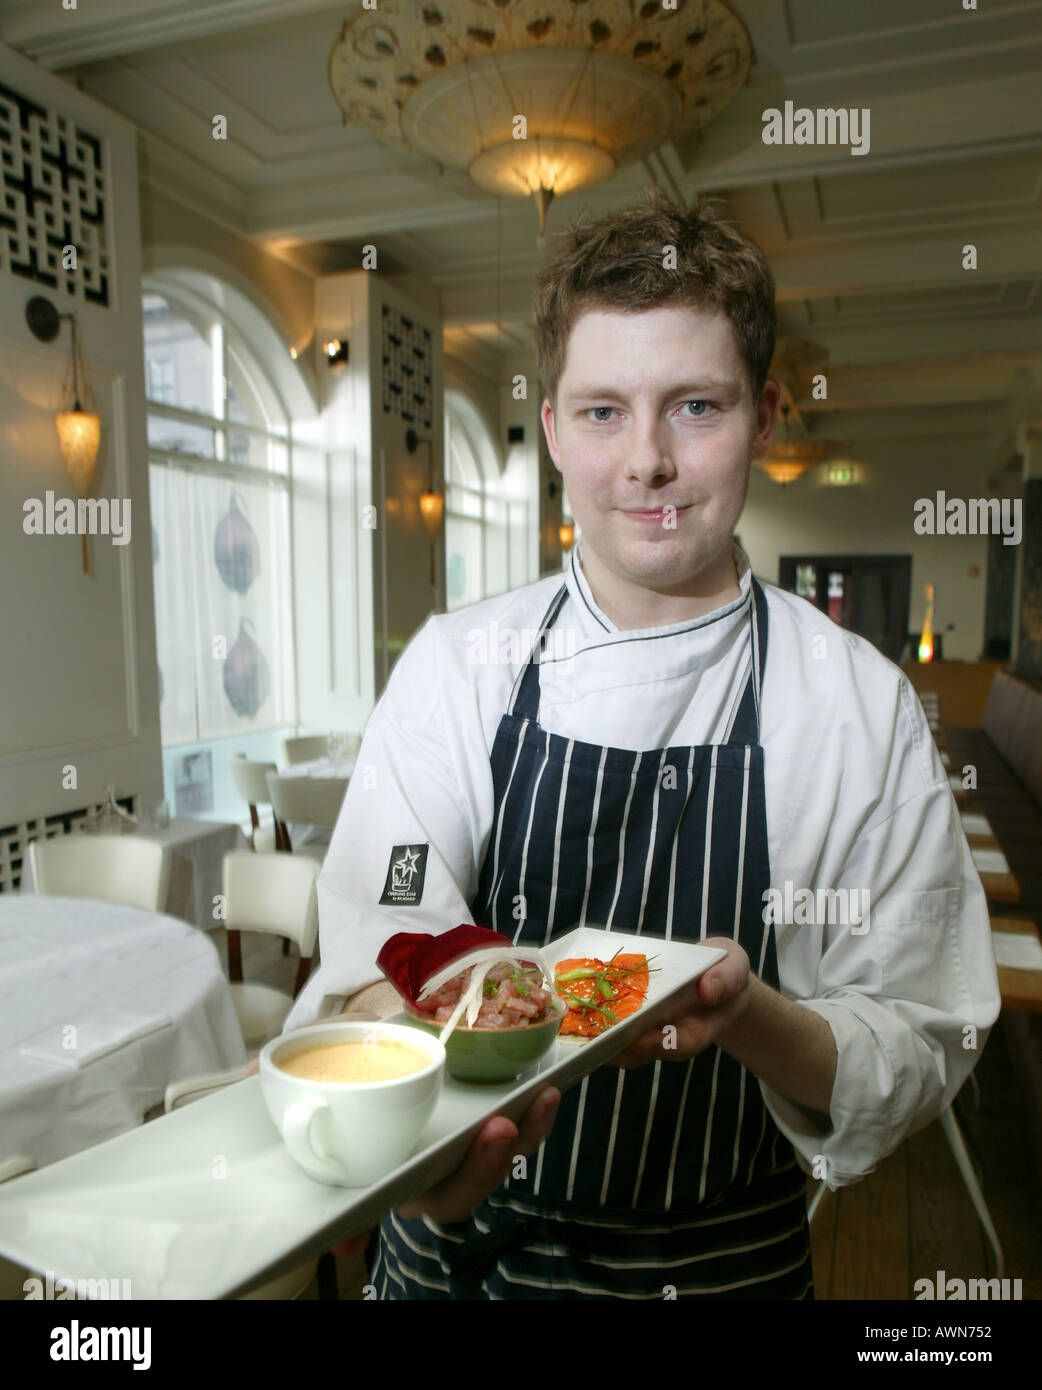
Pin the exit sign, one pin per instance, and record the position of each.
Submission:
(840, 474)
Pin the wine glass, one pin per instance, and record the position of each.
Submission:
(110, 822)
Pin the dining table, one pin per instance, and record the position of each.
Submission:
(1018, 959)
(997, 879)
(101, 1007)
(333, 769)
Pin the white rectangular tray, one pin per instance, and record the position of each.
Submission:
(207, 1203)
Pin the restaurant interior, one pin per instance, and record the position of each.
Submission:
(269, 399)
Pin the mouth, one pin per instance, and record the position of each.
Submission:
(658, 515)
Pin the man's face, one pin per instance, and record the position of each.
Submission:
(655, 412)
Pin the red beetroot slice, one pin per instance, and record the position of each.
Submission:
(409, 959)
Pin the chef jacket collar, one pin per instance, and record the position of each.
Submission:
(594, 624)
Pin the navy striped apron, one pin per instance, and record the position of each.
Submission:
(668, 1180)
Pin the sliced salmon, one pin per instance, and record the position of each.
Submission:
(627, 978)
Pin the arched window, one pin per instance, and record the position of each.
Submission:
(220, 454)
(485, 525)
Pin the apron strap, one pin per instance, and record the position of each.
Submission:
(524, 699)
(744, 726)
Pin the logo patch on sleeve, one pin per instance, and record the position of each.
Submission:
(405, 873)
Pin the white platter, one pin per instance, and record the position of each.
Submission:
(207, 1203)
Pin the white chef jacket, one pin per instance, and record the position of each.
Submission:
(856, 798)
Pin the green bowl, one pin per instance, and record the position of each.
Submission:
(492, 1054)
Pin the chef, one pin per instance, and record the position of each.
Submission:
(680, 751)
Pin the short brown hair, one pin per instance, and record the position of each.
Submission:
(616, 263)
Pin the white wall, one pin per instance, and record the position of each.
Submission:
(332, 549)
(521, 476)
(79, 685)
(875, 518)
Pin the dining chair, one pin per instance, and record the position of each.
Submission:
(286, 1286)
(113, 868)
(12, 1275)
(306, 749)
(253, 788)
(273, 893)
(306, 801)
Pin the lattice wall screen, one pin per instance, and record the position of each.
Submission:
(53, 195)
(14, 839)
(406, 373)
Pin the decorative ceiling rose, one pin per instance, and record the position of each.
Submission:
(598, 82)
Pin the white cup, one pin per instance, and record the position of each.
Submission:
(351, 1134)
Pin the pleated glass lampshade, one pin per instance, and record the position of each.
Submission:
(432, 504)
(79, 433)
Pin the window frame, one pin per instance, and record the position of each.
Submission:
(215, 326)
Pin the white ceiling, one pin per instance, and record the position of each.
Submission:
(866, 250)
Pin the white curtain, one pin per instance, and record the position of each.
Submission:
(221, 569)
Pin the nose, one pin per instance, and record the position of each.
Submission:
(650, 462)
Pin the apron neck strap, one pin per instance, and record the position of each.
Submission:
(744, 725)
(524, 698)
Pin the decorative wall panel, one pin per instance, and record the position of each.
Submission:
(53, 195)
(406, 368)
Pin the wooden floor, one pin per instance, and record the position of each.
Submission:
(907, 1220)
(913, 1215)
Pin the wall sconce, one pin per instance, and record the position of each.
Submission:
(335, 351)
(432, 504)
(79, 428)
(567, 533)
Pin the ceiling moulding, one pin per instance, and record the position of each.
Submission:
(932, 125)
(854, 343)
(906, 423)
(886, 264)
(176, 175)
(537, 100)
(114, 28)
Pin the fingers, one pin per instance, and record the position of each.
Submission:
(725, 979)
(538, 1121)
(647, 1048)
(355, 1245)
(488, 1162)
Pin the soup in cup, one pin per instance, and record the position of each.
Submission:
(351, 1099)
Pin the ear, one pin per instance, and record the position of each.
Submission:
(767, 416)
(546, 415)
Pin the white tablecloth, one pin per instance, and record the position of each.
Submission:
(141, 995)
(197, 851)
(198, 848)
(321, 767)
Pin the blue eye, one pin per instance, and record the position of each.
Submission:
(596, 408)
(698, 414)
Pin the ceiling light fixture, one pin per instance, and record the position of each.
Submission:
(792, 455)
(536, 102)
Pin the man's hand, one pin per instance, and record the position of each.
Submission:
(706, 1009)
(488, 1162)
(486, 1166)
